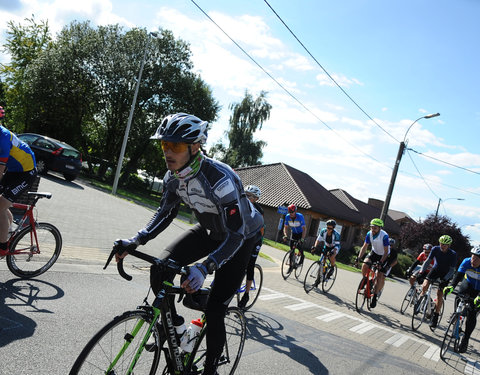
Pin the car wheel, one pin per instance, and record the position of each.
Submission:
(69, 177)
(42, 167)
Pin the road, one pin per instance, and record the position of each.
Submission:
(45, 322)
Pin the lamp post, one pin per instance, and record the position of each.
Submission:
(443, 200)
(130, 116)
(401, 150)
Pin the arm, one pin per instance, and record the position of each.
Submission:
(362, 250)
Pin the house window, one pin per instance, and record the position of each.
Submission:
(312, 232)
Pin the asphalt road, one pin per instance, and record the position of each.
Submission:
(45, 322)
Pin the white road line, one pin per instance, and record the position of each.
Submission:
(433, 353)
(330, 316)
(362, 328)
(300, 306)
(268, 297)
(397, 340)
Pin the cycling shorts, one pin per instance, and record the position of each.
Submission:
(434, 274)
(13, 184)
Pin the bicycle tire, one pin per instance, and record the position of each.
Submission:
(106, 344)
(286, 266)
(452, 334)
(236, 330)
(254, 289)
(299, 266)
(30, 262)
(313, 277)
(327, 283)
(419, 312)
(408, 299)
(361, 297)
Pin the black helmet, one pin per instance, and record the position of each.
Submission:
(182, 127)
(331, 223)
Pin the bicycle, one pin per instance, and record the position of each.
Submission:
(411, 297)
(424, 308)
(455, 331)
(366, 287)
(321, 271)
(33, 247)
(255, 287)
(120, 346)
(292, 255)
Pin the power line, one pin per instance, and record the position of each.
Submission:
(425, 181)
(442, 161)
(328, 74)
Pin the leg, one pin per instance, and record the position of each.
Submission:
(5, 218)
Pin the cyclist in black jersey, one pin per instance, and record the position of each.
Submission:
(228, 224)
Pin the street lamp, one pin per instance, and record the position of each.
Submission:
(130, 116)
(401, 149)
(443, 200)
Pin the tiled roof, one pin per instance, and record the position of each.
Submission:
(282, 184)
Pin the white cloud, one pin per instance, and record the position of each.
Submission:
(324, 80)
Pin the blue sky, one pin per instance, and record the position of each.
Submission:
(398, 60)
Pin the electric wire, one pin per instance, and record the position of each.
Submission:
(442, 161)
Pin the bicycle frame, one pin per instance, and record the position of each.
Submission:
(371, 279)
(28, 215)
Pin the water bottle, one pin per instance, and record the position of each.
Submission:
(180, 329)
(192, 334)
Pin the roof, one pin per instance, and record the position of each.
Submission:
(281, 184)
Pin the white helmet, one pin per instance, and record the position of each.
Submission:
(182, 127)
(254, 190)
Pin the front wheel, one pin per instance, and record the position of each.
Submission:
(330, 277)
(420, 312)
(236, 329)
(113, 349)
(409, 299)
(362, 293)
(313, 277)
(32, 255)
(286, 266)
(255, 288)
(298, 265)
(451, 340)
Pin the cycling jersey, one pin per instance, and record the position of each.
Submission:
(296, 224)
(330, 241)
(14, 153)
(444, 262)
(378, 241)
(423, 257)
(215, 194)
(471, 274)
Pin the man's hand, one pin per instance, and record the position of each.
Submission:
(476, 301)
(125, 245)
(447, 290)
(312, 250)
(195, 278)
(285, 238)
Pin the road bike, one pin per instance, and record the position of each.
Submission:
(366, 287)
(133, 343)
(255, 287)
(321, 271)
(411, 297)
(424, 308)
(33, 247)
(291, 261)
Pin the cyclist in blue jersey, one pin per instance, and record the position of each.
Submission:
(331, 242)
(443, 269)
(17, 173)
(296, 222)
(468, 274)
(378, 239)
(229, 225)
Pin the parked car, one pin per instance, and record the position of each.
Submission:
(54, 155)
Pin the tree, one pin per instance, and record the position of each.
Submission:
(415, 235)
(247, 117)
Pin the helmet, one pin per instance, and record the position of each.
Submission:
(445, 239)
(391, 241)
(427, 246)
(292, 208)
(331, 223)
(475, 250)
(377, 222)
(182, 127)
(254, 190)
(2, 113)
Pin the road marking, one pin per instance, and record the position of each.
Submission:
(397, 339)
(300, 306)
(433, 353)
(362, 328)
(330, 316)
(472, 367)
(275, 295)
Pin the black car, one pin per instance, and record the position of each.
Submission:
(54, 155)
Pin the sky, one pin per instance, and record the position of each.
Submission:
(346, 79)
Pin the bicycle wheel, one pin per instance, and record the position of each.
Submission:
(255, 289)
(106, 345)
(313, 277)
(451, 340)
(408, 299)
(286, 269)
(420, 312)
(299, 266)
(361, 296)
(329, 278)
(32, 258)
(235, 332)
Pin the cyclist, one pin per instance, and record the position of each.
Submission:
(296, 222)
(443, 269)
(392, 258)
(422, 257)
(228, 224)
(253, 194)
(331, 242)
(378, 239)
(17, 174)
(468, 274)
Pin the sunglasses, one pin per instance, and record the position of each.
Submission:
(329, 228)
(175, 147)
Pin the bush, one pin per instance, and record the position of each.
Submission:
(348, 256)
(404, 263)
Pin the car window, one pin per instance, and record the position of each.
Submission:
(71, 153)
(27, 138)
(45, 144)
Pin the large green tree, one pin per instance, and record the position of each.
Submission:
(247, 116)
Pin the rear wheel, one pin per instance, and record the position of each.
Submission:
(313, 277)
(254, 289)
(286, 269)
(32, 257)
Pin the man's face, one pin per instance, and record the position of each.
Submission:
(177, 154)
(375, 229)
(252, 198)
(444, 247)
(475, 260)
(292, 214)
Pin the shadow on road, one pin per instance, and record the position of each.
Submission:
(60, 180)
